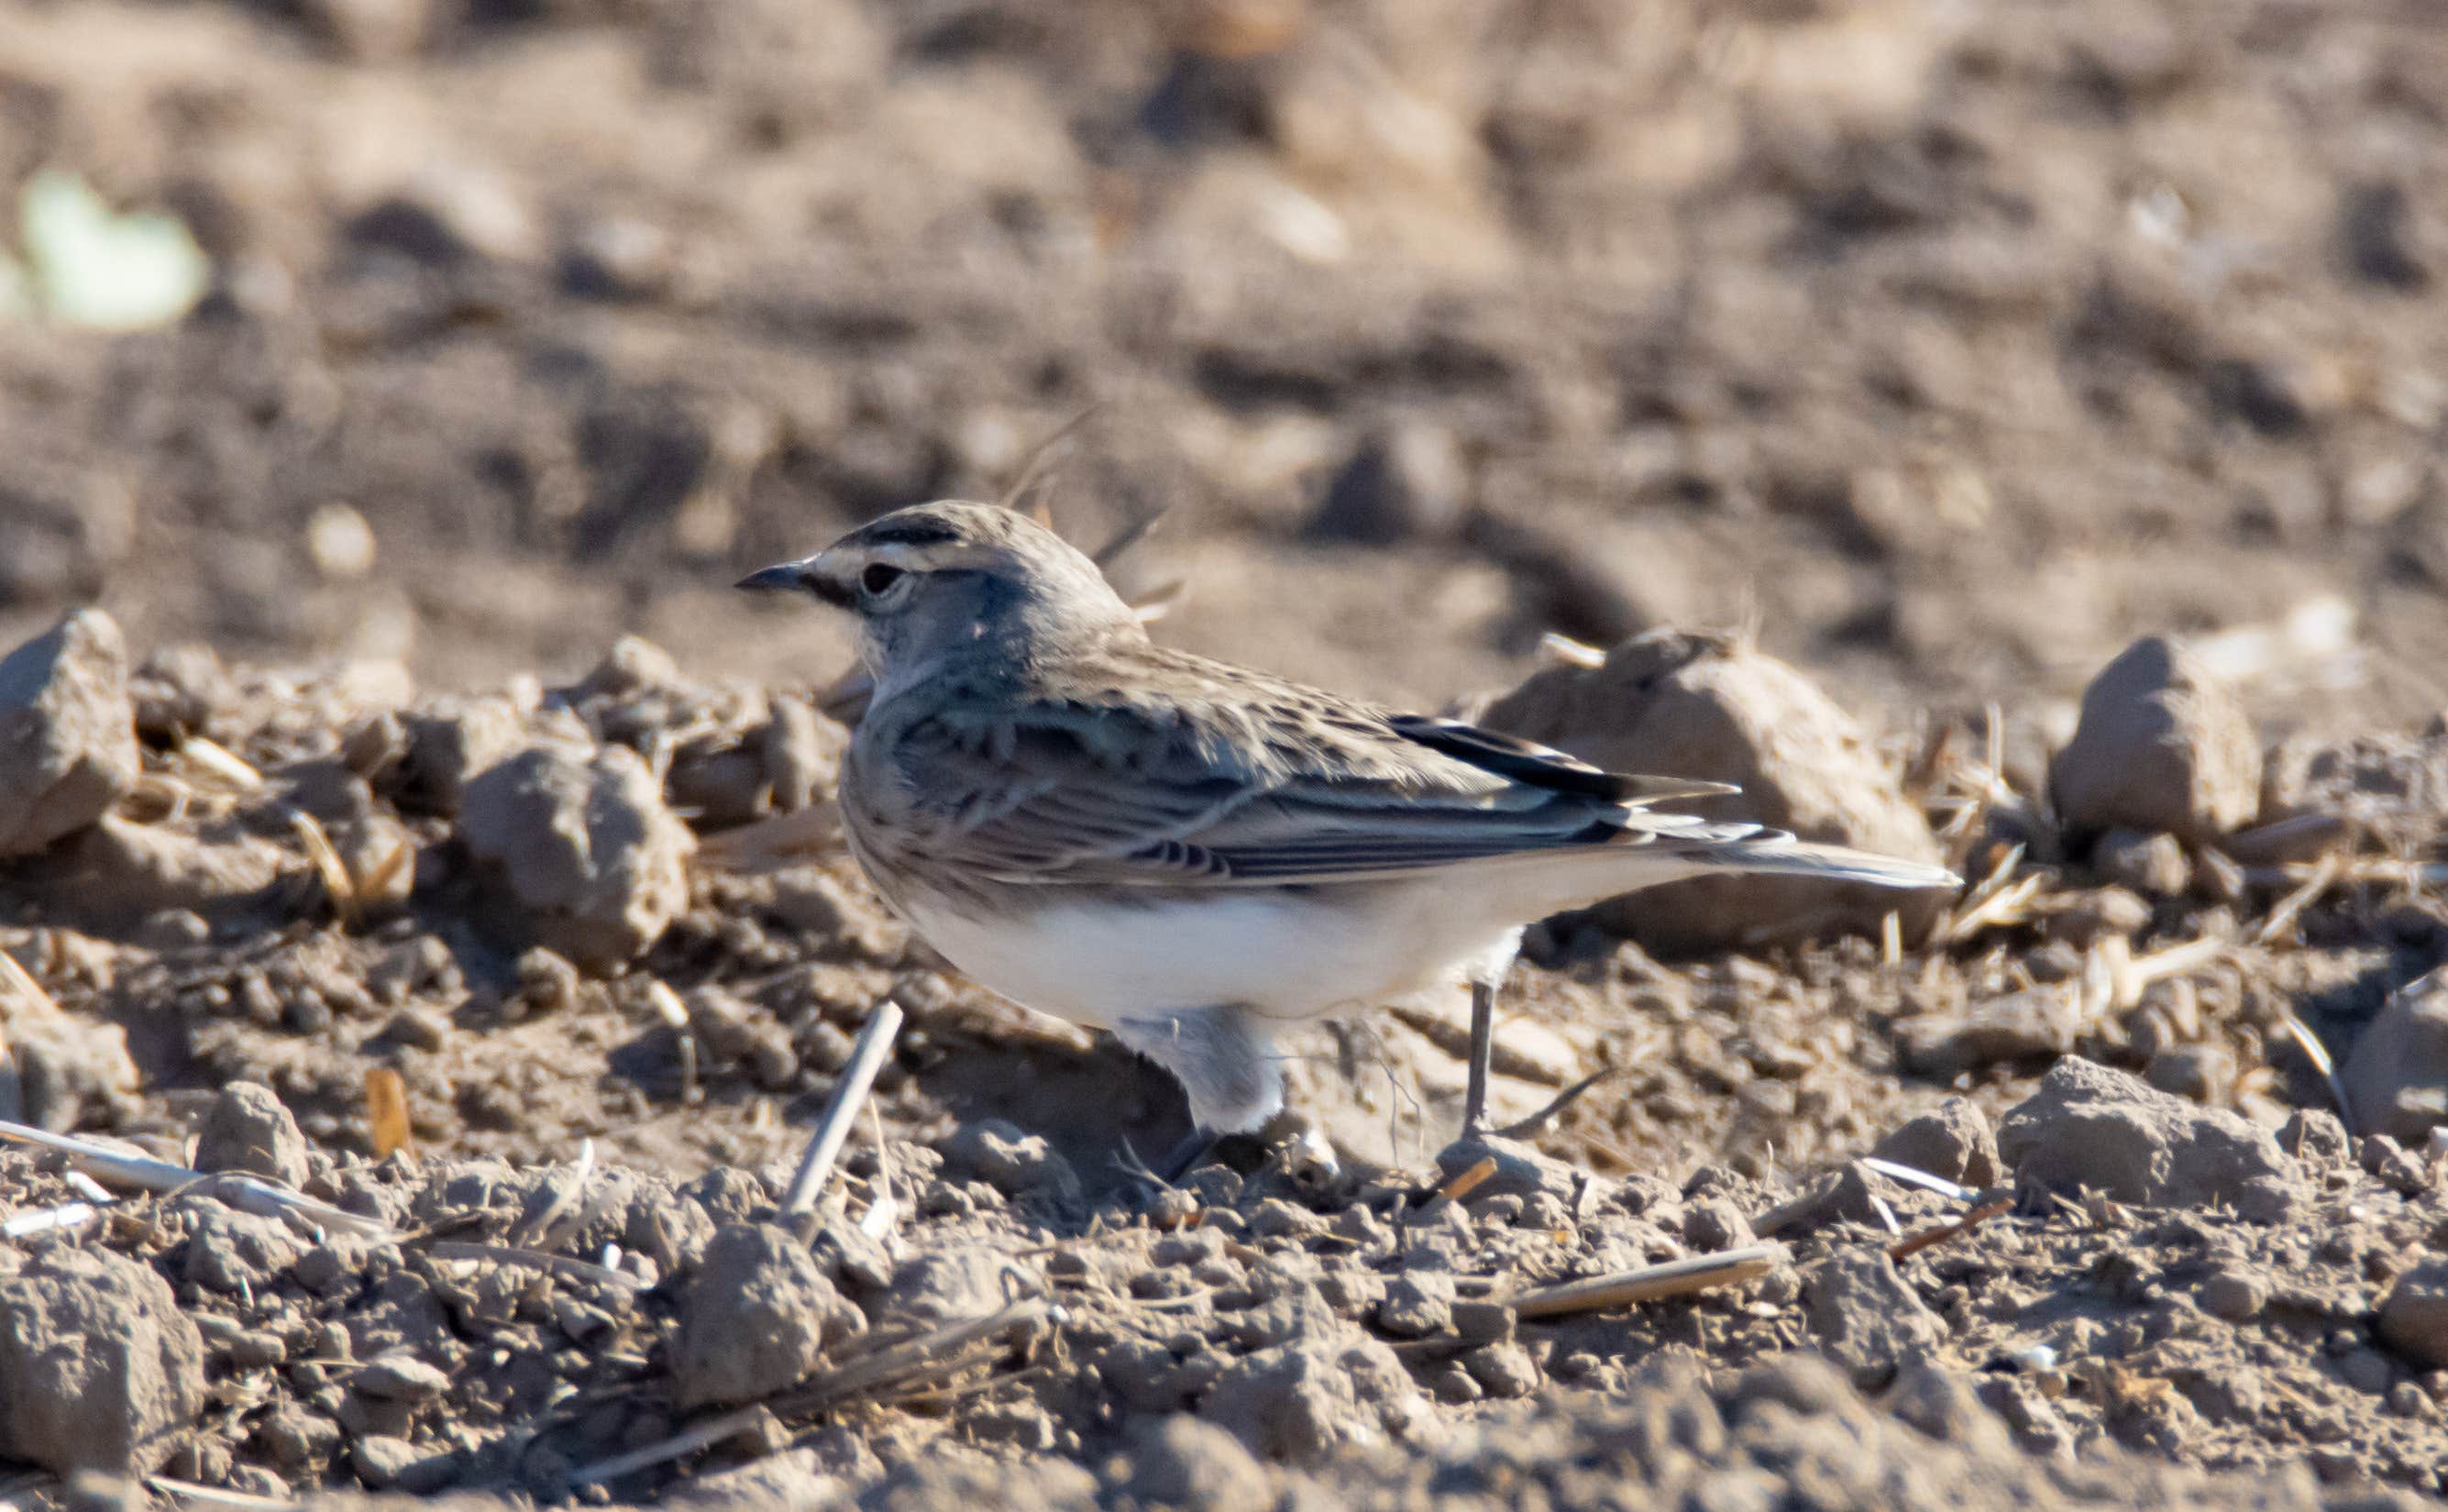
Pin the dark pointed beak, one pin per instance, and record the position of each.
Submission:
(788, 576)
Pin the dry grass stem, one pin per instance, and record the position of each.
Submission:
(338, 884)
(215, 1496)
(569, 1266)
(689, 1440)
(1914, 1175)
(247, 1194)
(935, 1353)
(867, 1058)
(219, 762)
(1702, 1272)
(14, 971)
(1944, 1231)
(387, 1111)
(1465, 1182)
(67, 1215)
(1564, 651)
(796, 838)
(2281, 920)
(2318, 1054)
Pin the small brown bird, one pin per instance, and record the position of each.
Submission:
(1196, 856)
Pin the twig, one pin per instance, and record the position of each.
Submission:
(675, 1014)
(704, 1435)
(33, 992)
(1535, 1123)
(850, 1089)
(1701, 1272)
(928, 1352)
(1944, 1231)
(1561, 650)
(246, 1193)
(2318, 1054)
(1914, 1175)
(387, 1120)
(50, 1220)
(338, 884)
(2177, 959)
(2282, 916)
(883, 1210)
(519, 1254)
(1458, 1186)
(222, 762)
(213, 1495)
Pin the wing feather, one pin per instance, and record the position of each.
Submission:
(1061, 794)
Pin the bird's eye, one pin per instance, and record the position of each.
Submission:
(879, 576)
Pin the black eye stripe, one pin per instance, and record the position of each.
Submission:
(879, 576)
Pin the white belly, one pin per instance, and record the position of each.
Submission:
(1282, 957)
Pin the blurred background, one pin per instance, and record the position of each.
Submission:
(1951, 343)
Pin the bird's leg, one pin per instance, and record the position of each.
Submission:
(1188, 1156)
(1482, 1052)
(1224, 1059)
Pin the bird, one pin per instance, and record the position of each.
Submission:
(1197, 856)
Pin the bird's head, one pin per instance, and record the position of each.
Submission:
(935, 581)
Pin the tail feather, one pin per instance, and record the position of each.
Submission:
(1774, 853)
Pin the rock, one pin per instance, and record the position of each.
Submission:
(1952, 1140)
(2163, 746)
(99, 1367)
(126, 871)
(2198, 1073)
(386, 1462)
(619, 258)
(2038, 1023)
(757, 1316)
(68, 731)
(2089, 1127)
(1408, 483)
(802, 751)
(944, 1286)
(2414, 1316)
(1417, 1304)
(1676, 704)
(400, 1378)
(1866, 1317)
(175, 690)
(451, 745)
(247, 1129)
(2396, 1075)
(1297, 1401)
(67, 1064)
(2233, 1294)
(1012, 1162)
(583, 846)
(2152, 865)
(2316, 1139)
(297, 1438)
(233, 1252)
(449, 214)
(1945, 1406)
(1521, 1169)
(2377, 224)
(1179, 1461)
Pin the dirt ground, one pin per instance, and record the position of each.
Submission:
(1936, 352)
